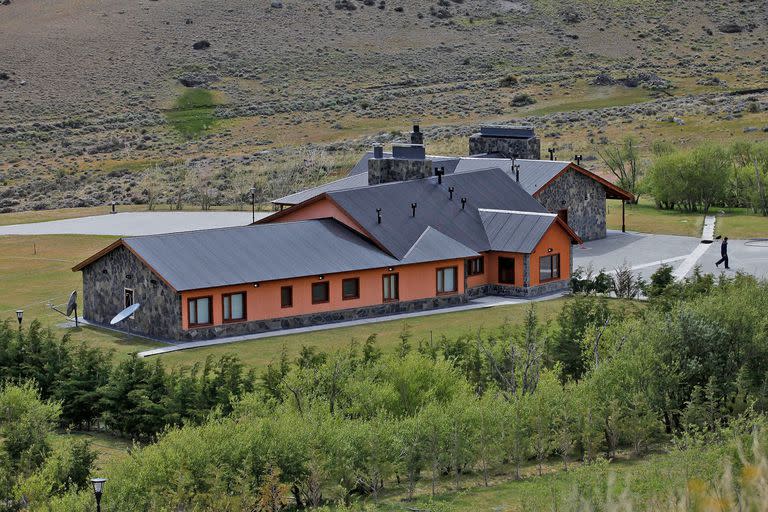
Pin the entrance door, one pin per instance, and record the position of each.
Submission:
(563, 214)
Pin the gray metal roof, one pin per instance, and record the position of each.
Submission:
(354, 181)
(265, 252)
(432, 245)
(534, 174)
(228, 256)
(513, 231)
(399, 229)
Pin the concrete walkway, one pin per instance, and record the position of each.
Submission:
(707, 237)
(134, 223)
(480, 303)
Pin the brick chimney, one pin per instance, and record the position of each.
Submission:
(408, 162)
(507, 141)
(416, 136)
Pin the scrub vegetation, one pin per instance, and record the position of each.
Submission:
(525, 414)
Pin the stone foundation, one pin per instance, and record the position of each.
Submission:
(328, 317)
(502, 290)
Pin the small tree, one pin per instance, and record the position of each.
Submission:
(273, 494)
(623, 160)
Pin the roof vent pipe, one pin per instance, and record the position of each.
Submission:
(551, 153)
(378, 215)
(450, 193)
(578, 159)
(517, 173)
(378, 151)
(413, 208)
(439, 173)
(463, 202)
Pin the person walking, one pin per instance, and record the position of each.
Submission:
(723, 254)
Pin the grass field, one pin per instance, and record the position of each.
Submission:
(108, 448)
(259, 353)
(738, 223)
(645, 218)
(193, 112)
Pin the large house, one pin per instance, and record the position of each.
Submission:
(408, 240)
(577, 195)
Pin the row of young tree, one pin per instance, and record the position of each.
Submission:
(696, 179)
(606, 375)
(132, 397)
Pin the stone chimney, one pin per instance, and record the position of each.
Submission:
(416, 136)
(408, 162)
(507, 141)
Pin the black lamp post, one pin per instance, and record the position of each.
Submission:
(19, 316)
(98, 488)
(253, 204)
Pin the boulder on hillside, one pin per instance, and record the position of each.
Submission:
(730, 28)
(603, 79)
(277, 4)
(197, 79)
(201, 45)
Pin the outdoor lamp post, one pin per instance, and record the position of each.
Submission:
(98, 488)
(253, 204)
(20, 316)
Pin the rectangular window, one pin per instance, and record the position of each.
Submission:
(200, 311)
(475, 266)
(506, 270)
(549, 267)
(286, 297)
(127, 297)
(446, 280)
(320, 293)
(391, 287)
(233, 306)
(350, 288)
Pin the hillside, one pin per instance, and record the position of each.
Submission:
(93, 95)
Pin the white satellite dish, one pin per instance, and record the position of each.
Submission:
(124, 314)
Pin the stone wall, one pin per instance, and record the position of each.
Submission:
(385, 170)
(104, 282)
(507, 146)
(327, 317)
(503, 290)
(585, 200)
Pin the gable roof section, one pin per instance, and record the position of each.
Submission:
(433, 245)
(512, 231)
(399, 229)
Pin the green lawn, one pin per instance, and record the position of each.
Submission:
(108, 448)
(646, 218)
(193, 112)
(740, 223)
(258, 353)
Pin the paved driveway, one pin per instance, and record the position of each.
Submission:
(646, 252)
(134, 223)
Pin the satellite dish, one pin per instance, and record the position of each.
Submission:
(124, 314)
(72, 303)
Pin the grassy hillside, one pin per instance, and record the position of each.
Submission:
(95, 96)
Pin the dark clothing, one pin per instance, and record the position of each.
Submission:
(724, 254)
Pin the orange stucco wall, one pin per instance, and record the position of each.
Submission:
(321, 209)
(556, 239)
(416, 282)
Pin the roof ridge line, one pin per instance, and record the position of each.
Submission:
(517, 212)
(416, 242)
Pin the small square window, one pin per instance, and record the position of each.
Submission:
(200, 311)
(320, 293)
(446, 280)
(475, 266)
(350, 288)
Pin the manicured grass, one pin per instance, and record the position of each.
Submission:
(258, 353)
(193, 112)
(36, 270)
(646, 218)
(741, 224)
